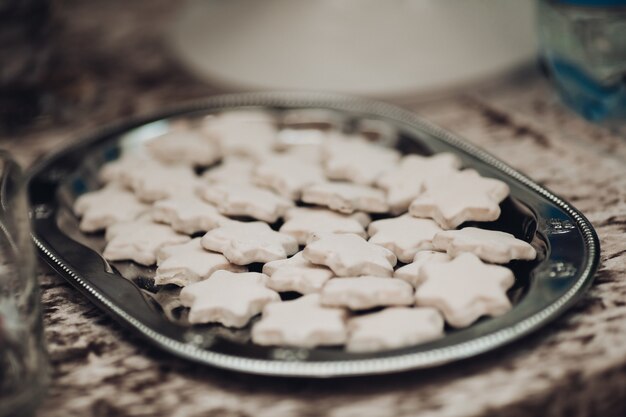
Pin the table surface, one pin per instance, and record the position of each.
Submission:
(575, 366)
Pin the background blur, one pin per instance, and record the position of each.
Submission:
(81, 64)
(65, 59)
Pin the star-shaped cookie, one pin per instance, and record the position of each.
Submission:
(302, 223)
(404, 235)
(153, 182)
(135, 224)
(412, 273)
(458, 197)
(245, 200)
(245, 243)
(301, 323)
(107, 206)
(139, 240)
(357, 160)
(405, 181)
(393, 328)
(232, 170)
(361, 293)
(188, 263)
(465, 289)
(118, 169)
(296, 274)
(250, 137)
(305, 139)
(346, 197)
(349, 255)
(228, 298)
(187, 214)
(184, 147)
(489, 245)
(308, 153)
(288, 175)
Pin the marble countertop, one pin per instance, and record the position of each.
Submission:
(575, 366)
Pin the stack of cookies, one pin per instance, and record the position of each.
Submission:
(242, 190)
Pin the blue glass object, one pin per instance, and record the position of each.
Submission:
(583, 44)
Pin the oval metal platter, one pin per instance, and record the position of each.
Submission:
(566, 242)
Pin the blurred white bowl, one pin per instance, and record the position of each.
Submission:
(368, 47)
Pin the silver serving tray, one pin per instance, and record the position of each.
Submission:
(567, 244)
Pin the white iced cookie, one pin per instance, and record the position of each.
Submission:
(287, 175)
(296, 274)
(139, 240)
(458, 197)
(245, 200)
(152, 182)
(117, 170)
(301, 323)
(309, 139)
(252, 137)
(412, 273)
(302, 223)
(187, 214)
(489, 245)
(465, 289)
(107, 206)
(308, 153)
(184, 147)
(245, 243)
(361, 293)
(228, 298)
(357, 160)
(405, 181)
(346, 197)
(135, 224)
(393, 328)
(349, 255)
(404, 236)
(188, 263)
(232, 170)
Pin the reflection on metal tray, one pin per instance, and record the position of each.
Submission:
(567, 244)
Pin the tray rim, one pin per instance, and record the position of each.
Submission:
(343, 368)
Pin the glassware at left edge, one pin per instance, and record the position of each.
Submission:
(23, 360)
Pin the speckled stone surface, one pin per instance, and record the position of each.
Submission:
(575, 367)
